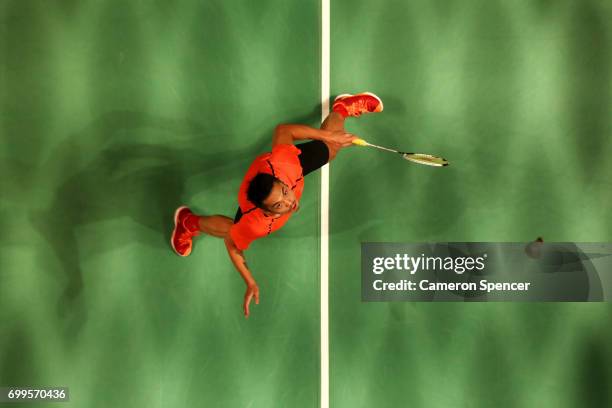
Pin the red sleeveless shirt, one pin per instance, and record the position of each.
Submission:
(282, 163)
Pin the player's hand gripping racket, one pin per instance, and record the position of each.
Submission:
(420, 158)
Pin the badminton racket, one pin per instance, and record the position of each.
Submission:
(420, 158)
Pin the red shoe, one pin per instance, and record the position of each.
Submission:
(182, 236)
(355, 105)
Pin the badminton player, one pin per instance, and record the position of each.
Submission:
(271, 189)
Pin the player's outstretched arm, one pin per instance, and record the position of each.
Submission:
(239, 261)
(287, 134)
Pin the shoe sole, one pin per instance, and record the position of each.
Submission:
(176, 213)
(363, 93)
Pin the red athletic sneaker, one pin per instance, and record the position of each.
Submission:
(355, 105)
(182, 236)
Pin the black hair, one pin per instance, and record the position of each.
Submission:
(260, 188)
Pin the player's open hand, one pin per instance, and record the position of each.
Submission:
(341, 139)
(251, 291)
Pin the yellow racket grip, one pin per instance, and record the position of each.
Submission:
(360, 142)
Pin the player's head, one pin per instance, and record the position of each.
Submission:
(271, 195)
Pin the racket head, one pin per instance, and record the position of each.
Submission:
(426, 159)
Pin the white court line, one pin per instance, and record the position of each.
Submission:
(324, 211)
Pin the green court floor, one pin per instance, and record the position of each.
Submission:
(113, 113)
(518, 97)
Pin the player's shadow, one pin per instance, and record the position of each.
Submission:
(596, 374)
(132, 180)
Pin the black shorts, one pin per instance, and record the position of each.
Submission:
(315, 155)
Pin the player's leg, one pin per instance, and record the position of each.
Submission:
(215, 225)
(333, 122)
(349, 105)
(316, 154)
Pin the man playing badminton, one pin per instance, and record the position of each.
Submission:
(271, 189)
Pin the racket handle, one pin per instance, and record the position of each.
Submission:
(360, 142)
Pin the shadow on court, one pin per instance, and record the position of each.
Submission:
(143, 182)
(594, 375)
(17, 360)
(589, 119)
